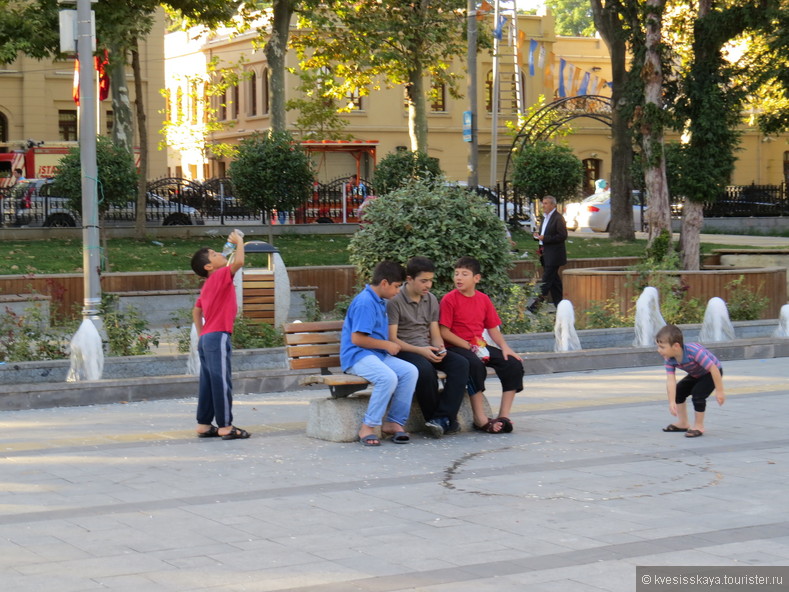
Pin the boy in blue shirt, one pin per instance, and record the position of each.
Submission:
(365, 350)
(705, 375)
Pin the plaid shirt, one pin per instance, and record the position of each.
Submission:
(696, 361)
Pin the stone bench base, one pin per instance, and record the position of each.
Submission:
(338, 420)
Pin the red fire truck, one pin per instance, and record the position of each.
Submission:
(36, 161)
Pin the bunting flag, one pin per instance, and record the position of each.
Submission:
(100, 63)
(519, 47)
(541, 59)
(548, 72)
(562, 66)
(577, 73)
(532, 49)
(484, 10)
(583, 89)
(568, 82)
(498, 32)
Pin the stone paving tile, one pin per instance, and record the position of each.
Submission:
(587, 487)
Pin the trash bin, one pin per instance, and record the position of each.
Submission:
(258, 300)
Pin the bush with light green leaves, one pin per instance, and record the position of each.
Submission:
(442, 222)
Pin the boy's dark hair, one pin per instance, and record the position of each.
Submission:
(416, 265)
(391, 271)
(670, 334)
(18, 171)
(199, 260)
(469, 263)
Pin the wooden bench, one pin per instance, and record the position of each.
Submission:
(316, 346)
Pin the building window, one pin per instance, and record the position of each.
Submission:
(354, 101)
(67, 125)
(179, 105)
(110, 121)
(252, 96)
(234, 93)
(592, 168)
(438, 98)
(508, 93)
(222, 98)
(168, 106)
(786, 167)
(264, 92)
(193, 100)
(3, 128)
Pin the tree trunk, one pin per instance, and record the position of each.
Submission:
(608, 21)
(123, 120)
(417, 110)
(142, 130)
(692, 223)
(659, 212)
(276, 50)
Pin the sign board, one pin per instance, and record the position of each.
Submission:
(468, 118)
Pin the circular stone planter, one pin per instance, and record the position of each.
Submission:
(586, 287)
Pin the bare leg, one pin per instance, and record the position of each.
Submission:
(507, 398)
(699, 422)
(682, 416)
(478, 409)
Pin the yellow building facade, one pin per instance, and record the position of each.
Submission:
(36, 101)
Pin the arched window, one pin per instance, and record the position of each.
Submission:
(252, 95)
(264, 96)
(438, 96)
(3, 128)
(786, 166)
(179, 104)
(235, 94)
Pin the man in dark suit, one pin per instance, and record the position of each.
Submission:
(553, 253)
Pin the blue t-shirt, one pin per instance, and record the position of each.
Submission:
(366, 314)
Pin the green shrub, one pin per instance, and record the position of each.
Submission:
(128, 334)
(441, 222)
(545, 168)
(25, 338)
(249, 334)
(743, 303)
(512, 312)
(605, 315)
(398, 169)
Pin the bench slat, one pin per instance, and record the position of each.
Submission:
(302, 351)
(311, 338)
(313, 327)
(322, 362)
(333, 379)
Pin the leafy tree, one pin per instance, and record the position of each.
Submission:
(400, 41)
(573, 17)
(272, 172)
(318, 112)
(617, 22)
(442, 222)
(117, 176)
(544, 168)
(398, 168)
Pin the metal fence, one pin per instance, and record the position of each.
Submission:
(179, 201)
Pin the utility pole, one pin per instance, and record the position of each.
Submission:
(91, 256)
(471, 58)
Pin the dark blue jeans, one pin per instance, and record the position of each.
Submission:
(215, 393)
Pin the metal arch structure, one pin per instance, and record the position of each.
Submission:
(549, 118)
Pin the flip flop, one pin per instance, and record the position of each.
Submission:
(212, 432)
(401, 438)
(694, 434)
(370, 440)
(672, 428)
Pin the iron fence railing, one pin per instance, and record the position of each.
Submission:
(177, 201)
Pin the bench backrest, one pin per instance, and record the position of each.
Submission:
(313, 345)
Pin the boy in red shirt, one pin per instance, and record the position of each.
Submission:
(214, 314)
(465, 314)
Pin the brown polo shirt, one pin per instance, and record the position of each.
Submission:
(413, 318)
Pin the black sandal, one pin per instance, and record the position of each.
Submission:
(236, 434)
(488, 427)
(506, 424)
(212, 432)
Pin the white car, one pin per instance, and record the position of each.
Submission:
(594, 212)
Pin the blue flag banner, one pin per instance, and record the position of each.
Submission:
(583, 89)
(562, 89)
(532, 49)
(498, 31)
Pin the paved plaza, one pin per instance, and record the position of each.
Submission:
(125, 498)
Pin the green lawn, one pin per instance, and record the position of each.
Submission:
(65, 256)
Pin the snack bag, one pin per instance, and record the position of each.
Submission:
(480, 348)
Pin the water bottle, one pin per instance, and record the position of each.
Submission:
(231, 247)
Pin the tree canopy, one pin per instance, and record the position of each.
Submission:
(573, 17)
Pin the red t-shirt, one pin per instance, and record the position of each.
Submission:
(468, 316)
(218, 301)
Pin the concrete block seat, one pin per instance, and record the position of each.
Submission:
(316, 345)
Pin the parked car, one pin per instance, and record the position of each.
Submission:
(34, 203)
(594, 212)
